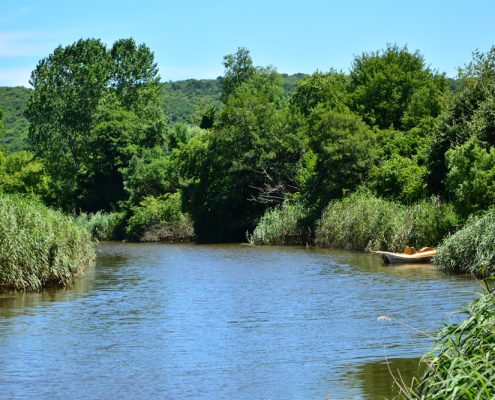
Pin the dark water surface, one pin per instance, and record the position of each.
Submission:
(225, 322)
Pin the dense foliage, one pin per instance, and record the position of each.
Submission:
(159, 219)
(283, 225)
(471, 250)
(249, 142)
(250, 149)
(13, 101)
(20, 172)
(91, 111)
(462, 365)
(363, 221)
(39, 246)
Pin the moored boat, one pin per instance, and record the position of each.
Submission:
(421, 256)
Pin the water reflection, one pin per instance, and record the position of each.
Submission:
(14, 304)
(381, 379)
(186, 321)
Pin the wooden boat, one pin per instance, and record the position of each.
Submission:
(421, 256)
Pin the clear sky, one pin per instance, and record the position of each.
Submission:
(190, 37)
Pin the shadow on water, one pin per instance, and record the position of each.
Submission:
(99, 274)
(19, 303)
(380, 379)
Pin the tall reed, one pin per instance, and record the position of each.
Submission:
(282, 225)
(363, 221)
(462, 364)
(104, 226)
(472, 249)
(39, 246)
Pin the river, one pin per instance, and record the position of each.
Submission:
(225, 322)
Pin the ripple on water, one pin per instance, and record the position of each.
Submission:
(224, 321)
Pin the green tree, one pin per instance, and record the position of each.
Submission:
(90, 112)
(245, 161)
(239, 68)
(384, 86)
(399, 178)
(21, 173)
(471, 177)
(330, 89)
(152, 173)
(134, 75)
(342, 151)
(468, 113)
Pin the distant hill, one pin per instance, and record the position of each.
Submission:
(182, 98)
(181, 101)
(13, 101)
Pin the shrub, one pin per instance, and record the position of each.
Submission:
(39, 246)
(282, 225)
(471, 177)
(462, 365)
(103, 226)
(472, 249)
(159, 219)
(363, 221)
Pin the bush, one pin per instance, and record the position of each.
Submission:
(462, 365)
(472, 249)
(399, 178)
(103, 226)
(363, 222)
(471, 177)
(159, 219)
(282, 225)
(38, 246)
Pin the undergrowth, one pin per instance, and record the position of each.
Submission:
(39, 246)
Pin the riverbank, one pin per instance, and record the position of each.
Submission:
(39, 247)
(361, 221)
(462, 365)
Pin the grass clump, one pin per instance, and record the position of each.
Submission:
(282, 225)
(38, 246)
(471, 250)
(462, 365)
(103, 226)
(363, 221)
(159, 219)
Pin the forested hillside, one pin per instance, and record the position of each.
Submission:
(230, 154)
(13, 101)
(183, 102)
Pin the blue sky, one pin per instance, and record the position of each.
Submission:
(190, 37)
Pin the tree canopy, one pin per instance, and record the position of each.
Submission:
(92, 109)
(252, 139)
(391, 86)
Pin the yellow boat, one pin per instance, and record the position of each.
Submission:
(424, 255)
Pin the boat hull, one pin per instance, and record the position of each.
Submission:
(400, 258)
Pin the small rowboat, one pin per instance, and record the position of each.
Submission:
(421, 256)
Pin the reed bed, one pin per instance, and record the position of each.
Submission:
(104, 226)
(282, 225)
(363, 221)
(462, 365)
(39, 246)
(471, 250)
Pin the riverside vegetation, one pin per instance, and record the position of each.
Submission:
(39, 247)
(391, 153)
(461, 366)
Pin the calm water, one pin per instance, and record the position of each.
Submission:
(224, 322)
